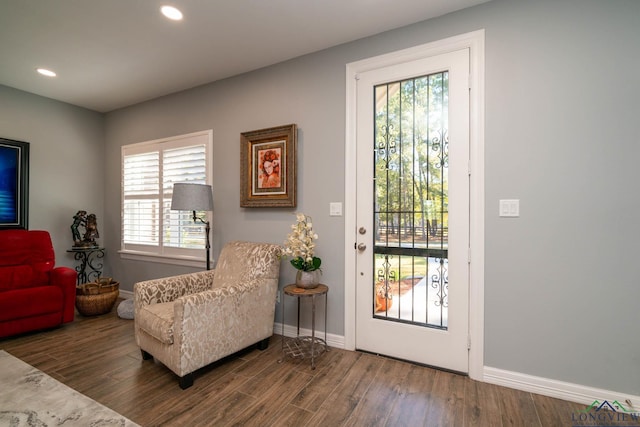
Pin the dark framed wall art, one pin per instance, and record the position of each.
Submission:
(14, 184)
(268, 167)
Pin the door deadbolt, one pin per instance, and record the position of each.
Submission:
(362, 230)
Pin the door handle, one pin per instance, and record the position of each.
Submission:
(362, 247)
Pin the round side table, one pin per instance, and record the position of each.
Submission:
(304, 347)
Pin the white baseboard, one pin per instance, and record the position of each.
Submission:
(333, 340)
(558, 389)
(126, 294)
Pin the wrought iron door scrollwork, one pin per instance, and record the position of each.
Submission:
(440, 282)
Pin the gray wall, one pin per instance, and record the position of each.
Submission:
(66, 162)
(307, 92)
(561, 281)
(560, 284)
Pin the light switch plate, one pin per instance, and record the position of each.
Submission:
(509, 208)
(335, 209)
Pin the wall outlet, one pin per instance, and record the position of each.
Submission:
(278, 297)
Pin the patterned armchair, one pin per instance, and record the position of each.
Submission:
(189, 321)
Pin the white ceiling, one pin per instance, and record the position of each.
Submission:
(113, 53)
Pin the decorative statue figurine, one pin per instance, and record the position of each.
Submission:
(90, 225)
(79, 219)
(91, 230)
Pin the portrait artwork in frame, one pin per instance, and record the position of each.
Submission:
(268, 167)
(14, 184)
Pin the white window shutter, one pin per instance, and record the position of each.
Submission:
(149, 171)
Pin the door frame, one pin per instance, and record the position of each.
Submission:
(474, 41)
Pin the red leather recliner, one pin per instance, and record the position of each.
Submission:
(34, 294)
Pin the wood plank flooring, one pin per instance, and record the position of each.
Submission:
(98, 357)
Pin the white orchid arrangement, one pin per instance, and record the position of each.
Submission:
(300, 244)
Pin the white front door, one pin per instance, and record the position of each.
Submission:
(412, 220)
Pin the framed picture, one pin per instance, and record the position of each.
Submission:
(268, 167)
(14, 183)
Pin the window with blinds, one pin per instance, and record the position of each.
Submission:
(149, 170)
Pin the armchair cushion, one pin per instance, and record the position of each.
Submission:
(22, 276)
(157, 321)
(31, 302)
(239, 263)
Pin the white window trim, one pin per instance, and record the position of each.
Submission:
(196, 260)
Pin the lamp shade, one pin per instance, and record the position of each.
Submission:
(192, 197)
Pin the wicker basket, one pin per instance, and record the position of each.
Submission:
(101, 286)
(93, 299)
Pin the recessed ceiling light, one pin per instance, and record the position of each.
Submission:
(46, 72)
(171, 12)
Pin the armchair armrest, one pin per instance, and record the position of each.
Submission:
(65, 279)
(171, 288)
(235, 316)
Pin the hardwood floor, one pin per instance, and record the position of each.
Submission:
(98, 357)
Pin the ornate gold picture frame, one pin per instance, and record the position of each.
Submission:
(268, 167)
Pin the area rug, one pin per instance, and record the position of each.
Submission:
(29, 397)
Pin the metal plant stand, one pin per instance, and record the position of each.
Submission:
(90, 267)
(305, 347)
